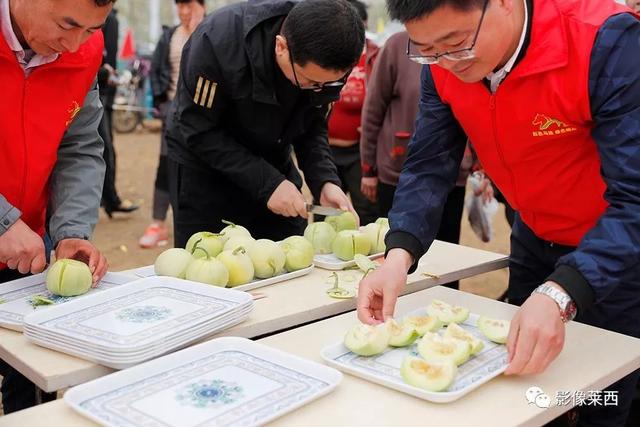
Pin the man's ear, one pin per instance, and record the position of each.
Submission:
(506, 5)
(281, 45)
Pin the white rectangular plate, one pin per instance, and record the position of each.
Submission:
(137, 315)
(148, 271)
(17, 294)
(226, 381)
(332, 262)
(384, 369)
(163, 346)
(118, 361)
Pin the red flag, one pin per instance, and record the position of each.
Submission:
(128, 49)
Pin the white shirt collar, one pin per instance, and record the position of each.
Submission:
(495, 78)
(27, 59)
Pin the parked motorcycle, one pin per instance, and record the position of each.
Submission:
(129, 108)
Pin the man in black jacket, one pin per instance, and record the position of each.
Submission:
(256, 82)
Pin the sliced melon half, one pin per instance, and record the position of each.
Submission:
(428, 376)
(447, 313)
(401, 335)
(367, 340)
(436, 349)
(456, 331)
(423, 324)
(495, 329)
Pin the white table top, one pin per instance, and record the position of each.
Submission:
(286, 305)
(591, 359)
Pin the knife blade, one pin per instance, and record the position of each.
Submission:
(323, 210)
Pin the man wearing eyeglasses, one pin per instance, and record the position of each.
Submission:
(256, 82)
(548, 93)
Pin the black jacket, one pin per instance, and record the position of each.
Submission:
(109, 56)
(160, 75)
(226, 118)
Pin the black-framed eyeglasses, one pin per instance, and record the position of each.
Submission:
(317, 86)
(454, 55)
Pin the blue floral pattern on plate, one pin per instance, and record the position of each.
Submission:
(143, 314)
(118, 406)
(206, 394)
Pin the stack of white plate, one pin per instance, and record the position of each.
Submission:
(138, 321)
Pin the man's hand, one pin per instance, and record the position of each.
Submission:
(83, 250)
(378, 292)
(22, 249)
(536, 336)
(485, 190)
(369, 187)
(333, 196)
(287, 200)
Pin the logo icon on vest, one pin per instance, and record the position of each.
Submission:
(73, 112)
(548, 126)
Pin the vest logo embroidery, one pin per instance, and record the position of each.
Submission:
(73, 112)
(548, 126)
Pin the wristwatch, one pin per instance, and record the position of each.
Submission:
(568, 309)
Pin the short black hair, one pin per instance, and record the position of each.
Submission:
(189, 1)
(326, 32)
(361, 8)
(102, 3)
(409, 10)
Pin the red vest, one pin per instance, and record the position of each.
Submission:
(34, 114)
(533, 136)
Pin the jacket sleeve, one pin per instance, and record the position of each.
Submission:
(78, 176)
(9, 215)
(428, 174)
(202, 104)
(374, 110)
(609, 254)
(314, 154)
(156, 74)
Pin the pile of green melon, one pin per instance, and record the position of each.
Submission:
(232, 257)
(339, 235)
(440, 353)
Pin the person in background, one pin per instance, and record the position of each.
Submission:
(344, 126)
(388, 116)
(51, 165)
(165, 70)
(111, 202)
(237, 118)
(634, 5)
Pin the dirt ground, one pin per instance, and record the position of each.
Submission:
(137, 157)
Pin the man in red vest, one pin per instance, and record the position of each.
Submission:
(51, 166)
(548, 91)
